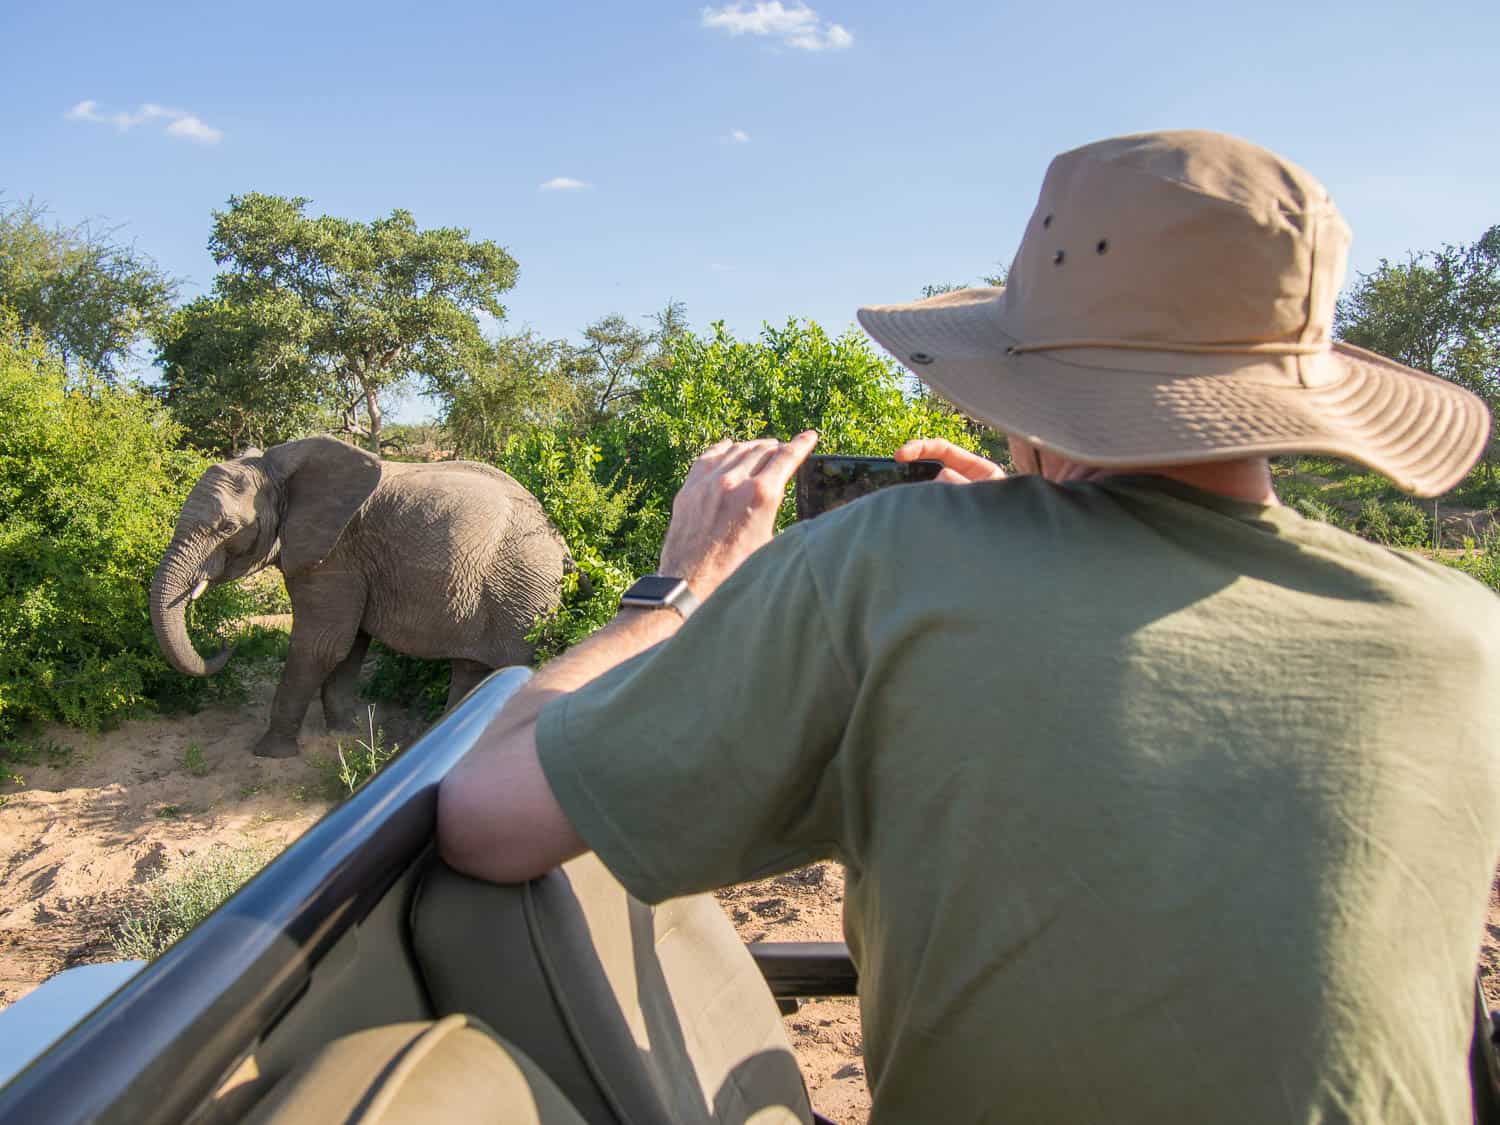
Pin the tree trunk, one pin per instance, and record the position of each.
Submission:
(372, 406)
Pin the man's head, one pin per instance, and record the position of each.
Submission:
(1172, 304)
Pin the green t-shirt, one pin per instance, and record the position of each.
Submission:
(1155, 806)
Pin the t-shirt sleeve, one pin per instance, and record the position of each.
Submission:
(710, 758)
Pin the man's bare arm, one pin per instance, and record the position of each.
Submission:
(497, 816)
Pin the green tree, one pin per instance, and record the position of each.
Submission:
(512, 385)
(88, 296)
(236, 375)
(1438, 311)
(380, 302)
(608, 366)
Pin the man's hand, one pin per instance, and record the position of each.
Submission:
(726, 509)
(959, 465)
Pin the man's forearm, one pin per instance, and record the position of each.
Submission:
(631, 633)
(497, 817)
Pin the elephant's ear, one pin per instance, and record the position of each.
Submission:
(325, 481)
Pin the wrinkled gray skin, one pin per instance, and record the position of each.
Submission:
(451, 560)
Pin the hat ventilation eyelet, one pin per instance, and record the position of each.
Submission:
(1103, 245)
(921, 359)
(1047, 221)
(1057, 259)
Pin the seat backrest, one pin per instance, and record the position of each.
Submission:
(421, 1073)
(640, 1014)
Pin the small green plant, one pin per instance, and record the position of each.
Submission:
(178, 899)
(353, 766)
(193, 759)
(170, 812)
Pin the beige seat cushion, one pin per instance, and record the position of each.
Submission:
(454, 1070)
(640, 1014)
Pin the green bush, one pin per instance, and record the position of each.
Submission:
(178, 899)
(91, 480)
(1398, 523)
(408, 680)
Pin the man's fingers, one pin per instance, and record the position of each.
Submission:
(783, 461)
(969, 466)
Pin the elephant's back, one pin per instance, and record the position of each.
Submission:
(472, 553)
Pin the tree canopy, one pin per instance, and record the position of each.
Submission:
(1438, 311)
(369, 304)
(89, 297)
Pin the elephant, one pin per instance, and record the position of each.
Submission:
(452, 560)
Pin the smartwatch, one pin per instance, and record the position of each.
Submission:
(657, 590)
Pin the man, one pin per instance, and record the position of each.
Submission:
(1157, 801)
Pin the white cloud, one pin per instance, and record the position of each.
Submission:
(738, 137)
(798, 26)
(179, 122)
(562, 183)
(194, 128)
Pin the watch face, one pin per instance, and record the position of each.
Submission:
(653, 587)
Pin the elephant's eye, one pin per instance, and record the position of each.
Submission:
(227, 525)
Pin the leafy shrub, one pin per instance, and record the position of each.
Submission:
(408, 680)
(91, 480)
(1397, 523)
(178, 899)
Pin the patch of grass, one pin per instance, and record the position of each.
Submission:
(352, 766)
(179, 898)
(170, 812)
(193, 759)
(34, 750)
(1480, 562)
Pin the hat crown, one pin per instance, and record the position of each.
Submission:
(1182, 238)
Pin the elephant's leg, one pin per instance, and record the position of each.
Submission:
(466, 677)
(326, 612)
(341, 708)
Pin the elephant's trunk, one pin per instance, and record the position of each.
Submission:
(180, 578)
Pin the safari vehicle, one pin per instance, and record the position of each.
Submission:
(357, 978)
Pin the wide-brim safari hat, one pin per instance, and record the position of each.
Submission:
(1172, 302)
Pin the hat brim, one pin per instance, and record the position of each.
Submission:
(1118, 408)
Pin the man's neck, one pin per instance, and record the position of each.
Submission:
(1248, 479)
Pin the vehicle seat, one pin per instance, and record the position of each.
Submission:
(640, 1014)
(420, 1073)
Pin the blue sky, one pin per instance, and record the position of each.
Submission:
(754, 160)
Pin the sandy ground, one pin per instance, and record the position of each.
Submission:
(79, 838)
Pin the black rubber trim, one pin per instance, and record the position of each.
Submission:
(806, 968)
(160, 1045)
